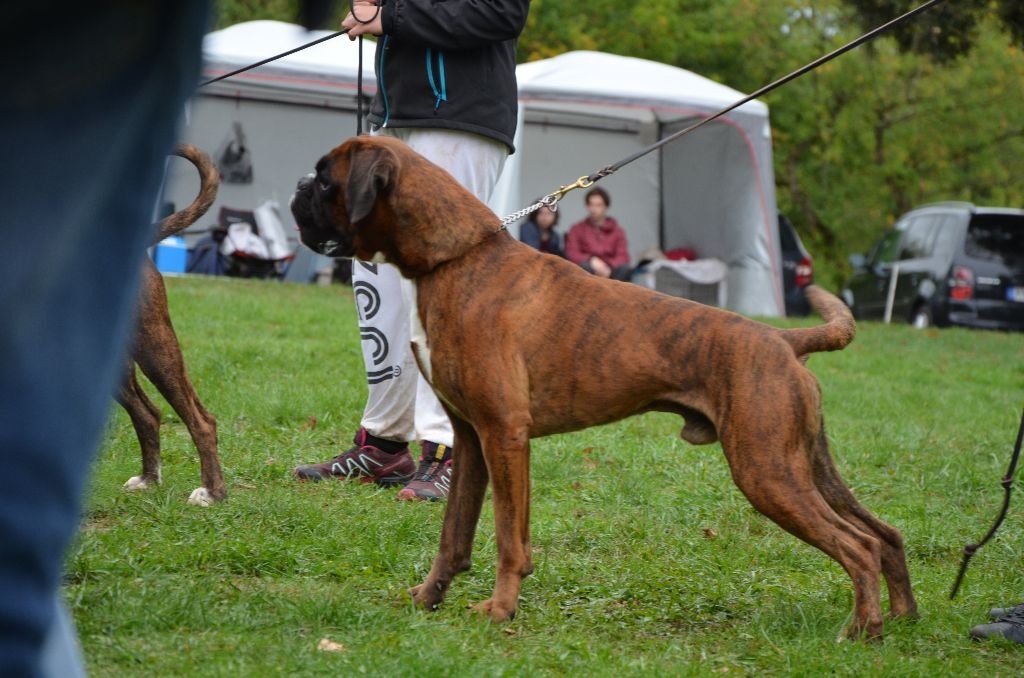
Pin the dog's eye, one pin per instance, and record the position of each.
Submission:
(324, 186)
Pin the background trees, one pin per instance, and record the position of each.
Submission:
(934, 112)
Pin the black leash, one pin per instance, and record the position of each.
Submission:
(274, 58)
(1007, 483)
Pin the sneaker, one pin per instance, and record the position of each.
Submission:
(1009, 626)
(433, 477)
(997, 612)
(365, 462)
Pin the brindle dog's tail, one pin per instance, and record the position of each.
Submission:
(834, 335)
(209, 179)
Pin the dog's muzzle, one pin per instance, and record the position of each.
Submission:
(314, 228)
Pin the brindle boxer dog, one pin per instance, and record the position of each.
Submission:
(519, 344)
(157, 352)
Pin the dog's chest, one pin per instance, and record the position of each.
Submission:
(421, 348)
(418, 337)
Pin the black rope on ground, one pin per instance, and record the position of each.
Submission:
(1007, 484)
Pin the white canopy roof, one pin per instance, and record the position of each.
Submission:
(595, 76)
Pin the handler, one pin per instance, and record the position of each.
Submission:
(446, 86)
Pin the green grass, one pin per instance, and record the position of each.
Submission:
(648, 559)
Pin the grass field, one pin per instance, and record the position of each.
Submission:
(648, 559)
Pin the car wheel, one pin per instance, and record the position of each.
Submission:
(922, 317)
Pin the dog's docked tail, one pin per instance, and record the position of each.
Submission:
(834, 335)
(209, 179)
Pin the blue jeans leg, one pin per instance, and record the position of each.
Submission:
(92, 94)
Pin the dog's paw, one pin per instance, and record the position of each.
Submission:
(868, 632)
(498, 613)
(426, 597)
(201, 497)
(138, 483)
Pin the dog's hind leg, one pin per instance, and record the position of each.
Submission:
(779, 484)
(465, 499)
(201, 425)
(145, 416)
(159, 355)
(841, 499)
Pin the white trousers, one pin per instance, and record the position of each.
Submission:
(401, 405)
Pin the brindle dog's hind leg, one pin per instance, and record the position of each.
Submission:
(840, 498)
(779, 483)
(145, 416)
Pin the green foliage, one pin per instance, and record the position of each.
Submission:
(934, 113)
(946, 31)
(235, 11)
(648, 559)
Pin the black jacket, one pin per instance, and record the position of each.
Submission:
(449, 64)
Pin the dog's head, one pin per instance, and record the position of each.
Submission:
(330, 204)
(375, 199)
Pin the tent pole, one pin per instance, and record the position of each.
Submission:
(661, 191)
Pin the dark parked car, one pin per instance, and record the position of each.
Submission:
(797, 268)
(950, 263)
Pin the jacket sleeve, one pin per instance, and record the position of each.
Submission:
(573, 249)
(529, 234)
(455, 24)
(621, 254)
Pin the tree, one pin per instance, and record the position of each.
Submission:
(946, 31)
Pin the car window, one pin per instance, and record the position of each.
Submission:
(996, 237)
(786, 239)
(946, 236)
(919, 239)
(887, 248)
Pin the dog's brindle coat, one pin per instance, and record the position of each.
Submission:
(157, 352)
(522, 344)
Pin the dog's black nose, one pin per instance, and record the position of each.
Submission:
(305, 182)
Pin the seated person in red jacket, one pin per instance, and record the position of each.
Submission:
(539, 231)
(598, 243)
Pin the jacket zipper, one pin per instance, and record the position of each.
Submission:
(442, 93)
(383, 92)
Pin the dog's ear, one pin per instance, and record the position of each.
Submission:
(370, 175)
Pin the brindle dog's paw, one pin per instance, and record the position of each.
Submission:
(869, 632)
(201, 497)
(498, 613)
(139, 483)
(426, 596)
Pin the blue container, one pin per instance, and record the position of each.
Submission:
(170, 255)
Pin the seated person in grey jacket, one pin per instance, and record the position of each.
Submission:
(538, 231)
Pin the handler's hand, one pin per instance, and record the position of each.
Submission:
(600, 267)
(364, 10)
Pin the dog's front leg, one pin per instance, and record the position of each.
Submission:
(469, 484)
(507, 451)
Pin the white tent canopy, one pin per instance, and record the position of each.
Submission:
(711, 191)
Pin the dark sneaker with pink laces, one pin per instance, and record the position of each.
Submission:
(368, 462)
(433, 477)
